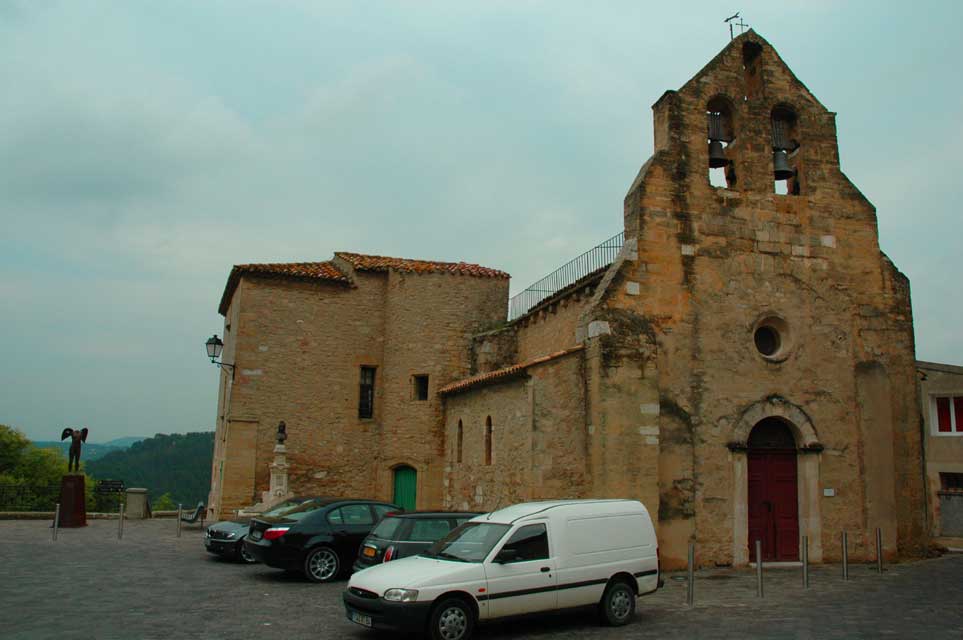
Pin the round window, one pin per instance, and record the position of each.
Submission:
(772, 338)
(767, 341)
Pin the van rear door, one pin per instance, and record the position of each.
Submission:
(521, 575)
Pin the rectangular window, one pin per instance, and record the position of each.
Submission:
(366, 398)
(419, 387)
(951, 481)
(948, 416)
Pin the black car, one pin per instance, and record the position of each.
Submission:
(401, 535)
(226, 538)
(319, 537)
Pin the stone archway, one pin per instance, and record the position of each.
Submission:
(808, 450)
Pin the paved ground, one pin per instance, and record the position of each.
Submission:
(151, 584)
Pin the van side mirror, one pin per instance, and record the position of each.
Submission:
(506, 555)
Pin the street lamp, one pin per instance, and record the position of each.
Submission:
(214, 348)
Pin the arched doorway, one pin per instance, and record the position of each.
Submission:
(406, 487)
(773, 491)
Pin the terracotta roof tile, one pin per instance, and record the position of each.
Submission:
(299, 270)
(363, 262)
(507, 372)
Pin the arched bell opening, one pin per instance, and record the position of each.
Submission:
(785, 150)
(721, 133)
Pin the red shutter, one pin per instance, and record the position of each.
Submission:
(943, 414)
(958, 408)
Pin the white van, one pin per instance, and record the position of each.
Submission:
(536, 556)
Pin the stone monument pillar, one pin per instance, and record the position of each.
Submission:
(73, 506)
(278, 490)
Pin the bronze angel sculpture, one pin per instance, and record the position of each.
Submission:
(77, 436)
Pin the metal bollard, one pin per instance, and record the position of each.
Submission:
(690, 592)
(845, 557)
(56, 521)
(759, 568)
(805, 561)
(120, 522)
(879, 550)
(178, 521)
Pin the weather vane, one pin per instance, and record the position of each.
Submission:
(731, 21)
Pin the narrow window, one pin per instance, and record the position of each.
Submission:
(366, 398)
(459, 438)
(488, 440)
(419, 387)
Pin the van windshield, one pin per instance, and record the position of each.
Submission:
(471, 542)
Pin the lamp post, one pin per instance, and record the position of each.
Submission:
(214, 348)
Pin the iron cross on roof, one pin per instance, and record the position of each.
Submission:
(731, 21)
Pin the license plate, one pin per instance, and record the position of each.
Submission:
(369, 551)
(360, 618)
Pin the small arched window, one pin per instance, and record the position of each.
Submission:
(459, 438)
(488, 440)
(785, 151)
(720, 134)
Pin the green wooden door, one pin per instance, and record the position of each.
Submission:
(406, 488)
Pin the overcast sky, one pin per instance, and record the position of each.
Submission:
(145, 147)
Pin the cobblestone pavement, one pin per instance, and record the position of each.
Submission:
(152, 584)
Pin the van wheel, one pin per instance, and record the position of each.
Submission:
(617, 606)
(451, 619)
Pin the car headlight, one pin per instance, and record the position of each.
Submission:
(231, 535)
(401, 595)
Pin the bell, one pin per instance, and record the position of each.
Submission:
(780, 165)
(717, 155)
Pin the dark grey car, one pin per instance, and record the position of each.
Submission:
(226, 538)
(401, 535)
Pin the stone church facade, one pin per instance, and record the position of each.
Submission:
(744, 366)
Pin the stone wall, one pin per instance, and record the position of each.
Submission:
(299, 346)
(538, 438)
(714, 264)
(944, 452)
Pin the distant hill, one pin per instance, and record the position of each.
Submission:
(179, 464)
(124, 443)
(90, 451)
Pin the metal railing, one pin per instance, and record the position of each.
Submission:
(29, 497)
(568, 274)
(44, 497)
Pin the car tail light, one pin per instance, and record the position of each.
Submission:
(389, 554)
(275, 532)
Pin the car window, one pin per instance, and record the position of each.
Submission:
(300, 511)
(351, 514)
(471, 542)
(381, 510)
(284, 506)
(529, 543)
(429, 530)
(386, 528)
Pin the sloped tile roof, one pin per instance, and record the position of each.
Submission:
(507, 372)
(298, 270)
(363, 262)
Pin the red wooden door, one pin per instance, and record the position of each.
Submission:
(773, 508)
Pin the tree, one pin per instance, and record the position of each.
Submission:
(31, 474)
(164, 503)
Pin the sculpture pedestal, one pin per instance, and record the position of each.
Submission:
(73, 506)
(278, 491)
